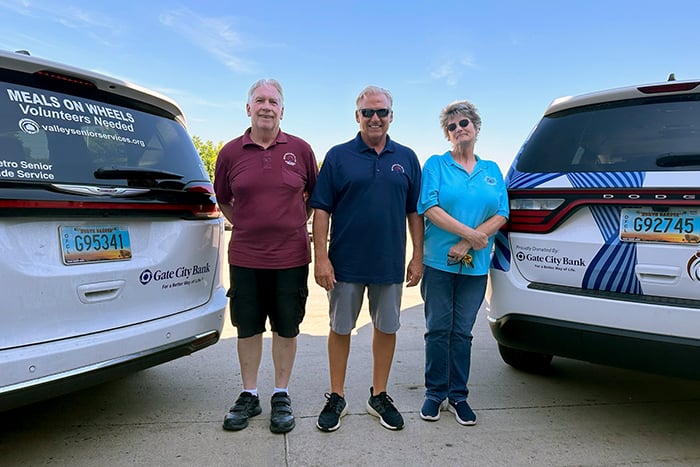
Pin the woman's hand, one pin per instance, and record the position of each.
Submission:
(477, 239)
(458, 250)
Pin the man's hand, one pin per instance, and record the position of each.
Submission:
(324, 273)
(414, 272)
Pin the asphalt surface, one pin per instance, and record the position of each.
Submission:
(580, 414)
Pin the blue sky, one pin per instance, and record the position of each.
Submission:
(510, 58)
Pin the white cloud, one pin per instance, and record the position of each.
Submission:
(452, 70)
(447, 72)
(96, 26)
(216, 36)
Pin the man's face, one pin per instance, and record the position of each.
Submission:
(265, 108)
(374, 128)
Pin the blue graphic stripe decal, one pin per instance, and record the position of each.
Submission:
(529, 180)
(612, 269)
(606, 179)
(501, 252)
(608, 220)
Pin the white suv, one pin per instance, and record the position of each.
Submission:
(110, 234)
(600, 260)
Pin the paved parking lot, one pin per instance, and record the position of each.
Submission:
(581, 414)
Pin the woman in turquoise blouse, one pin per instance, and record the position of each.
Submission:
(464, 201)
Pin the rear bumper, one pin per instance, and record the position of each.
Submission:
(668, 355)
(33, 373)
(642, 335)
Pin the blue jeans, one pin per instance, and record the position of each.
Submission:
(451, 305)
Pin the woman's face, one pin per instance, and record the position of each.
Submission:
(461, 130)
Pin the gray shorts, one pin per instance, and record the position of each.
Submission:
(346, 301)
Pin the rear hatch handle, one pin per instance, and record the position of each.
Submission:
(658, 274)
(97, 292)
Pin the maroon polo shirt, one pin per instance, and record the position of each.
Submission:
(266, 190)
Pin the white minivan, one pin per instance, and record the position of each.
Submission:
(110, 234)
(600, 259)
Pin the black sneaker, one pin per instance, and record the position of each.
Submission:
(281, 416)
(335, 409)
(382, 406)
(246, 406)
(463, 413)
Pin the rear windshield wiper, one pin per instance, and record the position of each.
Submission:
(134, 173)
(678, 159)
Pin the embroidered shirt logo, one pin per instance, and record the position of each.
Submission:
(290, 159)
(490, 180)
(398, 168)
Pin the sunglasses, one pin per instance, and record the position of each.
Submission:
(462, 123)
(369, 113)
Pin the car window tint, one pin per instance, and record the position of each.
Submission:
(625, 136)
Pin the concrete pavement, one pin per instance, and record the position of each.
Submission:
(171, 415)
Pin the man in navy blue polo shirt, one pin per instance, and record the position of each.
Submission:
(369, 186)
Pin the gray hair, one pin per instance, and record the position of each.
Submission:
(372, 90)
(464, 108)
(265, 82)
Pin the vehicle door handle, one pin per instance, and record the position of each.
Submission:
(653, 273)
(100, 291)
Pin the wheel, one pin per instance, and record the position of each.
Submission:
(533, 362)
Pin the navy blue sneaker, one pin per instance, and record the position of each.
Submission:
(463, 413)
(431, 410)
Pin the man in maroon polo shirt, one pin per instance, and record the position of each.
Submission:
(263, 180)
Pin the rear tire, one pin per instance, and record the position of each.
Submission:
(532, 362)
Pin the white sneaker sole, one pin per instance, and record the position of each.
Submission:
(443, 406)
(371, 411)
(337, 425)
(459, 420)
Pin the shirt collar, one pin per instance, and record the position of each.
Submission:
(451, 161)
(363, 148)
(280, 139)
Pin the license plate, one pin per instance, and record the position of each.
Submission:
(94, 243)
(675, 225)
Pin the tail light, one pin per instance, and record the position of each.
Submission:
(536, 214)
(669, 87)
(201, 206)
(53, 76)
(541, 210)
(208, 210)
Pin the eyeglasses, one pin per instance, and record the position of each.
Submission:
(462, 123)
(369, 113)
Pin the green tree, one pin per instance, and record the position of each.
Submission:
(208, 152)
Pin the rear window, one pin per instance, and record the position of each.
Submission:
(654, 134)
(50, 136)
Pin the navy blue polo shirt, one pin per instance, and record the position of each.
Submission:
(368, 196)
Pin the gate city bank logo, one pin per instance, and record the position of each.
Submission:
(145, 276)
(181, 272)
